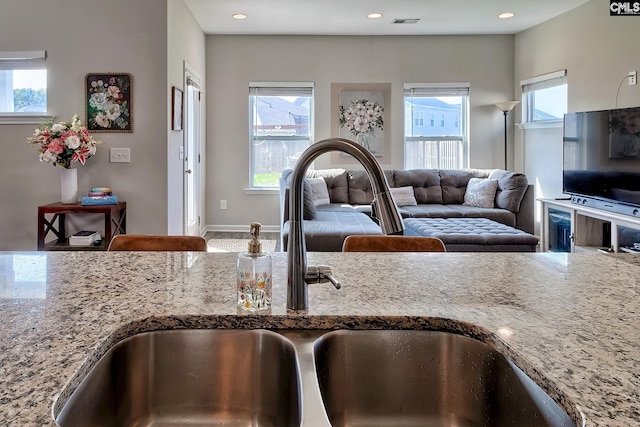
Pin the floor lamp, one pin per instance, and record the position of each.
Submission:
(505, 107)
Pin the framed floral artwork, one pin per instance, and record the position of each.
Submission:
(359, 113)
(176, 109)
(109, 102)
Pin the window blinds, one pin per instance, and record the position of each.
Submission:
(25, 60)
(436, 89)
(281, 89)
(544, 81)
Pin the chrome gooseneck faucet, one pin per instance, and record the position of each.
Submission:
(384, 208)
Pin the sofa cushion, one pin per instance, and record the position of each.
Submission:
(360, 191)
(481, 193)
(454, 183)
(326, 233)
(431, 210)
(336, 180)
(308, 207)
(403, 196)
(511, 188)
(319, 192)
(425, 182)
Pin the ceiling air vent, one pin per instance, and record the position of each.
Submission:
(406, 20)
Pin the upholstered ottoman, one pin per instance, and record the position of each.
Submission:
(472, 234)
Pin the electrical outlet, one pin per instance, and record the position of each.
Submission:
(120, 155)
(223, 204)
(633, 78)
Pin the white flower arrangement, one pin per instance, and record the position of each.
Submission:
(362, 117)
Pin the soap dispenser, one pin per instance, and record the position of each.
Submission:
(254, 275)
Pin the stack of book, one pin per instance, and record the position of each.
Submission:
(99, 196)
(84, 238)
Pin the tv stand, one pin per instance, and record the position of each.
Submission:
(608, 206)
(571, 227)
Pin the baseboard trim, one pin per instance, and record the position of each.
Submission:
(241, 228)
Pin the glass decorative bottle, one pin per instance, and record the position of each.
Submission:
(254, 275)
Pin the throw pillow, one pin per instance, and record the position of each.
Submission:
(319, 191)
(403, 196)
(480, 193)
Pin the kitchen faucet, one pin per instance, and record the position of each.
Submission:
(383, 206)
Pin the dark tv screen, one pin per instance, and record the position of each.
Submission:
(601, 155)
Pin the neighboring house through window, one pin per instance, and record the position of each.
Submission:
(281, 127)
(23, 85)
(436, 147)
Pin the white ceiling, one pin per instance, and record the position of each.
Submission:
(349, 17)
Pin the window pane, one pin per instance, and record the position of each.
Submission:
(281, 115)
(548, 103)
(281, 130)
(23, 91)
(272, 156)
(440, 142)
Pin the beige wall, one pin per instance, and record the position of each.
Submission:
(597, 51)
(233, 61)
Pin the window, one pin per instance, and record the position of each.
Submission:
(444, 147)
(23, 83)
(419, 119)
(281, 122)
(544, 98)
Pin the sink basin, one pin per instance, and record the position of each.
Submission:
(426, 378)
(191, 377)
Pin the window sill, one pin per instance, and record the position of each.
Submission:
(259, 190)
(24, 118)
(547, 124)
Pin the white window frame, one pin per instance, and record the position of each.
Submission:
(529, 87)
(23, 60)
(441, 89)
(275, 88)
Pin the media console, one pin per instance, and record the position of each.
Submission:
(568, 226)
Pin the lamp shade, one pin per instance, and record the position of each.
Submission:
(506, 105)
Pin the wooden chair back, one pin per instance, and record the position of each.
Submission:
(375, 243)
(141, 242)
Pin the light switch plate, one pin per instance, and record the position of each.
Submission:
(120, 155)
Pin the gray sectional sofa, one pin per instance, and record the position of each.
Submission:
(438, 194)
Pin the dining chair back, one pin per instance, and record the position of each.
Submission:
(377, 243)
(142, 242)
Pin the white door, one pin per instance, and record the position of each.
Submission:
(192, 153)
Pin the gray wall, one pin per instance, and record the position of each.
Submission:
(597, 51)
(233, 61)
(91, 36)
(185, 41)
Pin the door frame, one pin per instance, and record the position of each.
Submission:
(192, 76)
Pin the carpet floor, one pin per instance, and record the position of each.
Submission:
(237, 245)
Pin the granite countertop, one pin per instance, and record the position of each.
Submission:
(570, 319)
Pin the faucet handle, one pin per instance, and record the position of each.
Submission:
(320, 274)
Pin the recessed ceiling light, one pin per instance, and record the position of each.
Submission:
(506, 15)
(375, 15)
(239, 16)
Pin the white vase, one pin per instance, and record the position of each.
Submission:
(69, 185)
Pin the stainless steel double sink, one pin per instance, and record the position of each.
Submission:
(216, 377)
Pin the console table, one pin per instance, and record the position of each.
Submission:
(52, 218)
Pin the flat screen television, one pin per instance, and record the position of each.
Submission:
(601, 159)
